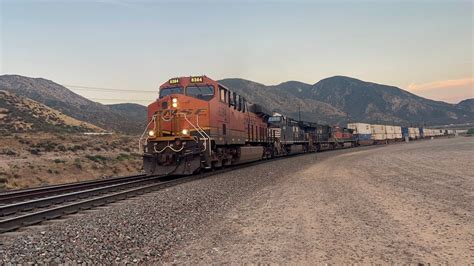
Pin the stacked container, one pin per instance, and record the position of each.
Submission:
(398, 132)
(427, 132)
(390, 131)
(362, 132)
(412, 132)
(378, 132)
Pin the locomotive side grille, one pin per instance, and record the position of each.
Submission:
(275, 132)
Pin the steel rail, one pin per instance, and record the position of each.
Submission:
(16, 222)
(12, 223)
(48, 201)
(25, 194)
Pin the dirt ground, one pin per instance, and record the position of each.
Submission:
(37, 159)
(408, 203)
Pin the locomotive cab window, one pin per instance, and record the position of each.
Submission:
(168, 91)
(201, 92)
(222, 94)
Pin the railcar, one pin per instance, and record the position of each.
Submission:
(197, 123)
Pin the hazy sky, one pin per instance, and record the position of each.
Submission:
(425, 47)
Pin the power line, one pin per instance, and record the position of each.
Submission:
(78, 87)
(126, 100)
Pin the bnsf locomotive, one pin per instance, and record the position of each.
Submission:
(197, 123)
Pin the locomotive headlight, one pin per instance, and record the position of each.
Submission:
(151, 133)
(185, 132)
(174, 102)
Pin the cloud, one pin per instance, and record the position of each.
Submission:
(443, 84)
(452, 90)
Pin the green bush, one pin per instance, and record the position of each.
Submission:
(470, 131)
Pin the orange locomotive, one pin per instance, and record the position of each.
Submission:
(197, 123)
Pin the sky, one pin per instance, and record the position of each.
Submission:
(121, 51)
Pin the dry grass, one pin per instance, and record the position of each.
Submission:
(28, 160)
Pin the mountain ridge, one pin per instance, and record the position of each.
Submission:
(64, 100)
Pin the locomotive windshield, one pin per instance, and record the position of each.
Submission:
(274, 119)
(167, 91)
(200, 92)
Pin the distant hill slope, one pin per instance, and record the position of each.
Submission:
(62, 99)
(351, 99)
(21, 114)
(467, 104)
(133, 111)
(283, 101)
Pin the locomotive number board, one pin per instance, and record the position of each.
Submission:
(196, 79)
(174, 81)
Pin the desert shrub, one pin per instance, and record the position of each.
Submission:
(8, 152)
(59, 161)
(77, 148)
(78, 163)
(61, 147)
(25, 141)
(34, 151)
(46, 145)
(96, 158)
(123, 157)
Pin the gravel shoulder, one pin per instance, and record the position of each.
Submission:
(397, 203)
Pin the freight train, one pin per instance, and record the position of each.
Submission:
(198, 123)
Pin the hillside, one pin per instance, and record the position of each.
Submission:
(339, 99)
(20, 114)
(133, 111)
(283, 101)
(467, 104)
(62, 99)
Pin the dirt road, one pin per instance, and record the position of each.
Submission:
(405, 203)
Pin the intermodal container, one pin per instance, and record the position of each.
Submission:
(360, 128)
(390, 129)
(378, 129)
(412, 132)
(398, 132)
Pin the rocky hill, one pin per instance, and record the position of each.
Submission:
(21, 114)
(62, 99)
(133, 111)
(467, 104)
(283, 101)
(339, 99)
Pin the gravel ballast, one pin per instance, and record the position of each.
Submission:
(395, 203)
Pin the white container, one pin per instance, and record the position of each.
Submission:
(360, 128)
(378, 129)
(412, 132)
(397, 130)
(390, 136)
(389, 129)
(381, 136)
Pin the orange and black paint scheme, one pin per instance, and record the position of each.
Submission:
(197, 123)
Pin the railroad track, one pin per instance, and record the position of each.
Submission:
(38, 192)
(33, 206)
